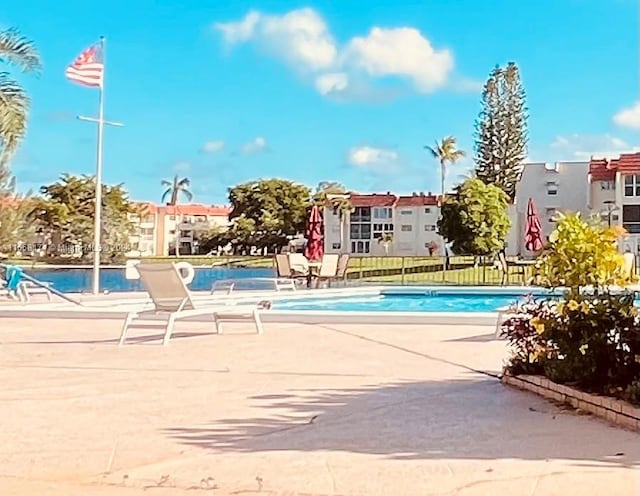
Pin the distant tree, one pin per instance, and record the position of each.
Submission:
(16, 225)
(501, 130)
(65, 213)
(445, 152)
(334, 196)
(14, 101)
(267, 212)
(174, 189)
(475, 219)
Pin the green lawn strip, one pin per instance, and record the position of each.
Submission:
(469, 276)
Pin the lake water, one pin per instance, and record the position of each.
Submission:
(112, 278)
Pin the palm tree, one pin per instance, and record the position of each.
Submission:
(334, 195)
(385, 240)
(173, 191)
(14, 102)
(445, 152)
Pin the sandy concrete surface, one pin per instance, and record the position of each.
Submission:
(301, 410)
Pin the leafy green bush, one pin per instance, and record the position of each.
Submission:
(590, 336)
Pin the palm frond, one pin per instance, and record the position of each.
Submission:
(184, 182)
(17, 50)
(14, 109)
(166, 193)
(187, 194)
(433, 151)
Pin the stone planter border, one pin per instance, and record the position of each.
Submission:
(613, 410)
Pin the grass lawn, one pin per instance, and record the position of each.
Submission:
(467, 276)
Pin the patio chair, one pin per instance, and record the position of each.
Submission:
(171, 298)
(283, 268)
(299, 265)
(328, 269)
(343, 265)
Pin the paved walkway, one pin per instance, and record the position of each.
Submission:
(300, 410)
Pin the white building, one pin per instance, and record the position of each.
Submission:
(408, 223)
(155, 226)
(554, 187)
(614, 193)
(610, 188)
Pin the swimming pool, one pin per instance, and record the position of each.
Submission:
(418, 301)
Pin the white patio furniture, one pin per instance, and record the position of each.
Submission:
(171, 299)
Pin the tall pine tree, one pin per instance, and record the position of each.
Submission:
(501, 130)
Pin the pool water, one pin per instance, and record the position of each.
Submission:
(113, 279)
(461, 302)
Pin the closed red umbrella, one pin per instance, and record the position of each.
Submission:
(533, 232)
(315, 236)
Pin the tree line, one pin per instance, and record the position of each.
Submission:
(265, 213)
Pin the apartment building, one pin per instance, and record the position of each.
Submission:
(614, 193)
(159, 227)
(606, 187)
(554, 187)
(409, 221)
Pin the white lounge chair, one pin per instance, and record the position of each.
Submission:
(170, 297)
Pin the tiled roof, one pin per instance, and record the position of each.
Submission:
(418, 200)
(196, 209)
(146, 207)
(602, 169)
(373, 200)
(390, 200)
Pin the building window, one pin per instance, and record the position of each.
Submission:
(406, 212)
(335, 246)
(427, 210)
(552, 189)
(360, 246)
(406, 228)
(632, 185)
(631, 218)
(361, 214)
(429, 227)
(607, 185)
(382, 213)
(380, 229)
(360, 231)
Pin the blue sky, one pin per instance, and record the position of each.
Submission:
(224, 92)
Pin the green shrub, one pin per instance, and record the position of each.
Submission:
(590, 336)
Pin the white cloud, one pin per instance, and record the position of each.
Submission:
(254, 146)
(302, 39)
(400, 52)
(332, 82)
(629, 117)
(182, 167)
(241, 31)
(367, 156)
(583, 147)
(466, 85)
(213, 146)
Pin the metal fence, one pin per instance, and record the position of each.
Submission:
(469, 271)
(460, 271)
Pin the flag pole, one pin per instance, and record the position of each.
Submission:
(97, 221)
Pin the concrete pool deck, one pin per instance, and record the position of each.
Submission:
(302, 410)
(116, 305)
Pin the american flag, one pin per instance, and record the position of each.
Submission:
(88, 68)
